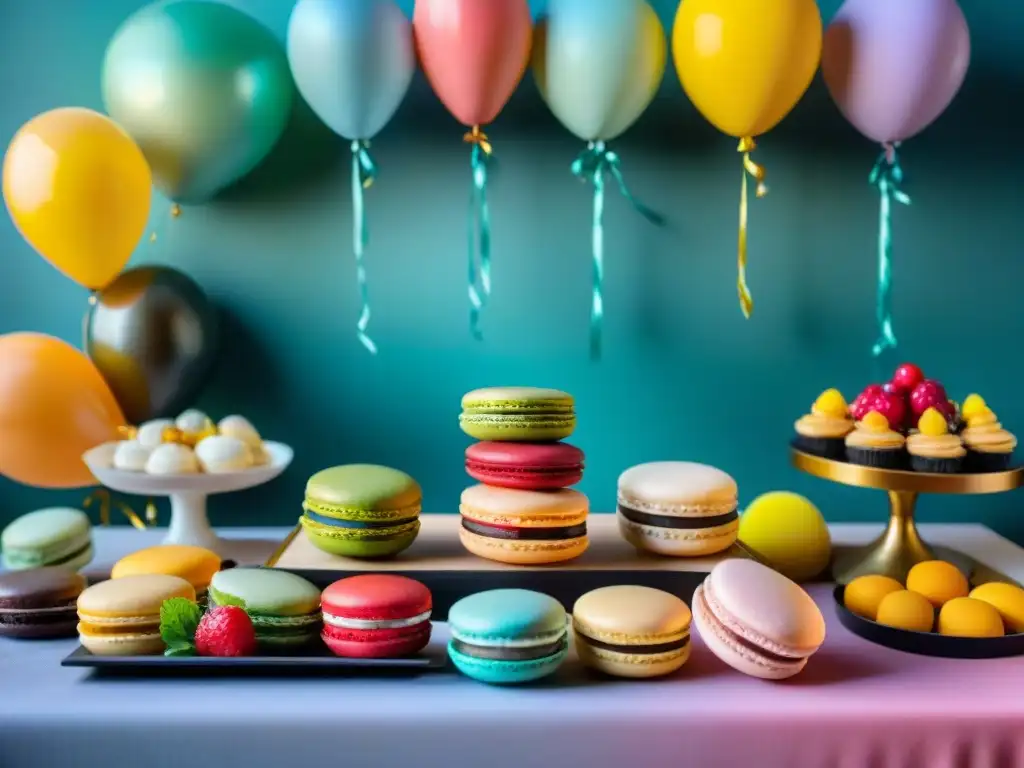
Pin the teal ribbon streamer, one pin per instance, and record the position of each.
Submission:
(887, 175)
(592, 164)
(364, 171)
(479, 237)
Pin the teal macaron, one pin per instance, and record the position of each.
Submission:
(508, 636)
(361, 510)
(518, 414)
(284, 608)
(53, 536)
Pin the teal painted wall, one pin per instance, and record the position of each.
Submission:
(684, 376)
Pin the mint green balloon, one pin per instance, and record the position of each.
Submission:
(204, 90)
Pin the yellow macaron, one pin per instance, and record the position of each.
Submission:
(121, 617)
(1007, 599)
(906, 610)
(967, 617)
(195, 565)
(937, 580)
(864, 594)
(632, 631)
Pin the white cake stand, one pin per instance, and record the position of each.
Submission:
(189, 523)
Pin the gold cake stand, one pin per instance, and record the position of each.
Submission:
(900, 546)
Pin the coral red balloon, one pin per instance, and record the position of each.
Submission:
(474, 53)
(54, 406)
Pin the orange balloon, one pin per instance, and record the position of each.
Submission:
(54, 406)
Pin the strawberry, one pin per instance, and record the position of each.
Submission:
(225, 631)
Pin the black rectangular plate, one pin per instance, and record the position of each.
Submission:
(318, 661)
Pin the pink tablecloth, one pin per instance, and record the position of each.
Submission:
(860, 705)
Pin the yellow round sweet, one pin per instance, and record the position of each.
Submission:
(864, 595)
(967, 617)
(1007, 599)
(788, 532)
(937, 580)
(906, 610)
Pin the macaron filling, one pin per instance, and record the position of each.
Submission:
(560, 533)
(335, 522)
(345, 622)
(670, 521)
(642, 650)
(509, 653)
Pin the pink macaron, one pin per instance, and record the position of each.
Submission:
(756, 620)
(529, 466)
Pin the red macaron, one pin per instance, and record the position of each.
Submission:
(376, 616)
(529, 466)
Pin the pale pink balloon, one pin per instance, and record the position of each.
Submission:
(893, 66)
(474, 53)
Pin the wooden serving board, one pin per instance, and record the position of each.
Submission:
(438, 559)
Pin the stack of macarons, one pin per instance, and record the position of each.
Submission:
(361, 510)
(523, 511)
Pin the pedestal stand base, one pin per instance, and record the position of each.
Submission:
(189, 523)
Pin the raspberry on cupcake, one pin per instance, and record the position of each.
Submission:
(932, 448)
(989, 446)
(874, 444)
(821, 432)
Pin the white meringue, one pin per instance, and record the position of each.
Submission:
(131, 456)
(172, 459)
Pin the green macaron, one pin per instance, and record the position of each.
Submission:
(284, 608)
(53, 536)
(362, 510)
(518, 414)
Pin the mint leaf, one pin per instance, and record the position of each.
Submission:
(179, 619)
(222, 599)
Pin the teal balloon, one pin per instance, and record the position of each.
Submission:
(204, 90)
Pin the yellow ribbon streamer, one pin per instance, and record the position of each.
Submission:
(479, 138)
(191, 439)
(747, 145)
(102, 497)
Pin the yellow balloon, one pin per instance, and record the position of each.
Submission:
(79, 190)
(745, 63)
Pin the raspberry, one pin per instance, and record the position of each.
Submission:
(225, 631)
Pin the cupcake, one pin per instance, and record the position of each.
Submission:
(821, 432)
(874, 444)
(989, 446)
(932, 448)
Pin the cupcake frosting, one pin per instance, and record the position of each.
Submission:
(985, 434)
(829, 417)
(873, 432)
(933, 440)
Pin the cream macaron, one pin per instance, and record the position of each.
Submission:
(678, 508)
(172, 459)
(632, 631)
(220, 454)
(524, 527)
(151, 433)
(131, 456)
(121, 617)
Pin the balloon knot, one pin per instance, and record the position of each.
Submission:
(747, 144)
(478, 138)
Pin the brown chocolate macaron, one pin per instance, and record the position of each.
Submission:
(40, 602)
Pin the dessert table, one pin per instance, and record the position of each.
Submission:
(856, 704)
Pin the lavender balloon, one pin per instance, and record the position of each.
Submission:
(893, 66)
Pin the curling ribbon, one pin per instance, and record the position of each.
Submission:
(364, 171)
(479, 229)
(102, 497)
(591, 165)
(887, 175)
(747, 145)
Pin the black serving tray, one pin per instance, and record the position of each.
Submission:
(928, 643)
(316, 661)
